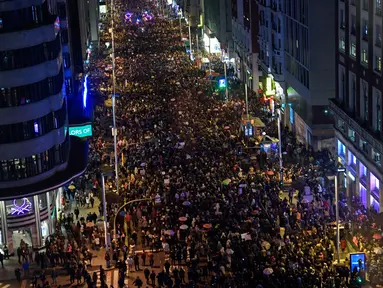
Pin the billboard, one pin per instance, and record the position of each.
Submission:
(357, 261)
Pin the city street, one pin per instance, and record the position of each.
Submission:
(199, 175)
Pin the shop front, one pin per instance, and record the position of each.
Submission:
(211, 44)
(28, 220)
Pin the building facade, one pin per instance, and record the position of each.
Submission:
(245, 26)
(297, 65)
(217, 31)
(37, 156)
(271, 50)
(358, 103)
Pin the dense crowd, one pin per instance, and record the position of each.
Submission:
(219, 216)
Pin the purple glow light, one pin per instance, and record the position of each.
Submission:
(24, 208)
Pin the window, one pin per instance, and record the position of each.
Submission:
(353, 25)
(378, 63)
(376, 157)
(341, 18)
(351, 134)
(342, 93)
(342, 44)
(66, 59)
(364, 58)
(363, 145)
(353, 92)
(378, 112)
(365, 5)
(353, 49)
(30, 56)
(378, 7)
(16, 169)
(31, 129)
(26, 18)
(365, 101)
(378, 35)
(341, 125)
(365, 30)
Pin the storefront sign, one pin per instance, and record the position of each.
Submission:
(22, 209)
(81, 131)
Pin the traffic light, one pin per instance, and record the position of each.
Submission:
(222, 83)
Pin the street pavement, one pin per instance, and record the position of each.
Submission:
(97, 261)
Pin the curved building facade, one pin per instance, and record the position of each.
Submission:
(35, 148)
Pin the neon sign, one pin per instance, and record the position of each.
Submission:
(81, 131)
(24, 208)
(85, 91)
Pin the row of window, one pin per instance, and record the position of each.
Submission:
(27, 57)
(364, 28)
(298, 71)
(376, 157)
(34, 165)
(363, 109)
(25, 18)
(363, 54)
(297, 9)
(22, 95)
(22, 131)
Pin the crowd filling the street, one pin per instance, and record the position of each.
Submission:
(212, 209)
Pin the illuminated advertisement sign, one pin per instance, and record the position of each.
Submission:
(81, 131)
(357, 261)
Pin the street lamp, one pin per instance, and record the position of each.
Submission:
(280, 145)
(107, 238)
(226, 89)
(335, 178)
(119, 210)
(114, 94)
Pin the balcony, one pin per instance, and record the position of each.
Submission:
(378, 11)
(365, 37)
(378, 43)
(353, 30)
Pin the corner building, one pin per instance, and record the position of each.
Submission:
(358, 104)
(36, 153)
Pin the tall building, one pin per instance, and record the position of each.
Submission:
(271, 50)
(358, 103)
(245, 27)
(304, 69)
(217, 26)
(37, 155)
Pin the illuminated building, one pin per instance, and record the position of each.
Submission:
(300, 64)
(37, 155)
(358, 104)
(245, 25)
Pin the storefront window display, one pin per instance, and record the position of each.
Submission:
(375, 193)
(22, 237)
(363, 195)
(351, 160)
(44, 230)
(362, 172)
